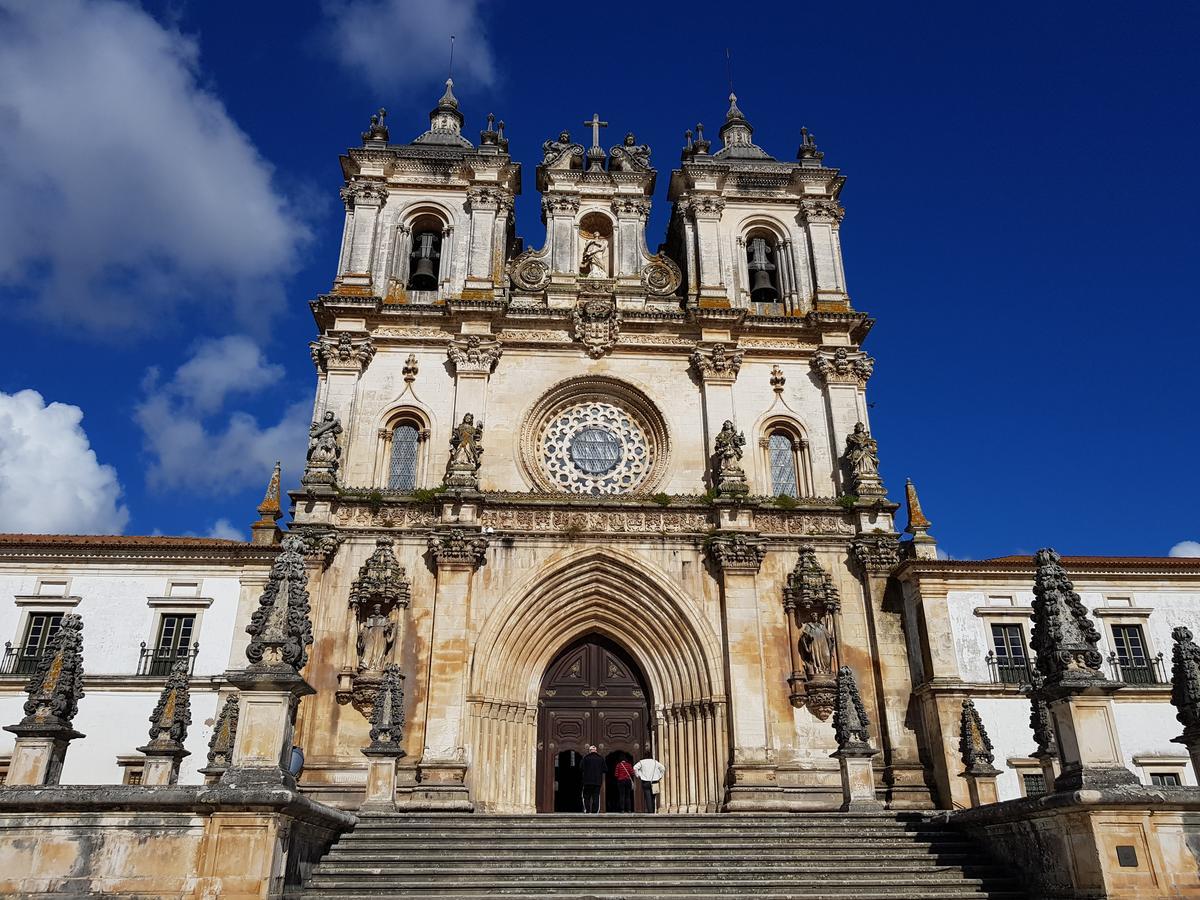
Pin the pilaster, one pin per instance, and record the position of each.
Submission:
(364, 199)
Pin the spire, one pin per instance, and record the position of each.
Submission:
(448, 100)
(265, 530)
(973, 742)
(922, 545)
(378, 130)
(1064, 638)
(808, 154)
(280, 629)
(736, 135)
(445, 121)
(851, 726)
(734, 114)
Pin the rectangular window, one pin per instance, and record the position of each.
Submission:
(40, 628)
(1165, 779)
(1012, 661)
(174, 642)
(1034, 783)
(1130, 645)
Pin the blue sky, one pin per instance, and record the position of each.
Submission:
(1021, 202)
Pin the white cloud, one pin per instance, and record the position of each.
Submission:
(395, 45)
(196, 446)
(125, 188)
(1186, 548)
(50, 479)
(224, 529)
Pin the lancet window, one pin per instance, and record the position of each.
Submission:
(785, 467)
(403, 459)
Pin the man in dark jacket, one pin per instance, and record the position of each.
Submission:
(592, 767)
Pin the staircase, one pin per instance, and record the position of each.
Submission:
(811, 856)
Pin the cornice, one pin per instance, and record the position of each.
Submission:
(89, 548)
(1078, 567)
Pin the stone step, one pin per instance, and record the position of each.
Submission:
(849, 852)
(793, 892)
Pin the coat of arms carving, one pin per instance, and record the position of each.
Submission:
(597, 324)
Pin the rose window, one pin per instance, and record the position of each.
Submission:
(593, 447)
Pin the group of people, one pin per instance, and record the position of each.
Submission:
(648, 771)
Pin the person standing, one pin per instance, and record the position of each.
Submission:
(624, 773)
(592, 769)
(649, 772)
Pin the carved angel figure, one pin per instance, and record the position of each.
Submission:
(554, 150)
(466, 444)
(630, 155)
(323, 439)
(862, 452)
(376, 636)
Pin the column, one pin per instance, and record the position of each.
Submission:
(631, 215)
(443, 767)
(903, 773)
(752, 777)
(484, 204)
(821, 218)
(706, 211)
(364, 199)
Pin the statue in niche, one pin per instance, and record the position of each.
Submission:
(323, 448)
(816, 648)
(594, 263)
(862, 453)
(376, 637)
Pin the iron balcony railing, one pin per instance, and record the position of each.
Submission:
(1139, 671)
(20, 660)
(157, 662)
(1007, 669)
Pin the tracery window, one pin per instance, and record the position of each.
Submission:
(785, 467)
(402, 464)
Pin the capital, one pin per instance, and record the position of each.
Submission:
(876, 554)
(825, 211)
(343, 352)
(474, 354)
(364, 193)
(737, 552)
(457, 548)
(716, 363)
(842, 366)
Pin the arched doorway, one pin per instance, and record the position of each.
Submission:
(592, 693)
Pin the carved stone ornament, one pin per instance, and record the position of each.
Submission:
(716, 363)
(529, 271)
(1064, 638)
(597, 325)
(320, 542)
(629, 156)
(342, 351)
(562, 153)
(474, 354)
(842, 366)
(387, 715)
(363, 192)
(737, 552)
(811, 602)
(1185, 685)
(861, 463)
(777, 379)
(1040, 720)
(876, 554)
(661, 276)
(822, 210)
(455, 547)
(56, 684)
(173, 714)
(560, 204)
(377, 598)
(973, 743)
(280, 629)
(466, 452)
(224, 735)
(324, 450)
(489, 198)
(378, 130)
(410, 369)
(851, 727)
(729, 479)
(381, 579)
(704, 205)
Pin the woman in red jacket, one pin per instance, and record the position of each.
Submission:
(624, 773)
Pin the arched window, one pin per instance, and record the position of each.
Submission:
(402, 466)
(785, 464)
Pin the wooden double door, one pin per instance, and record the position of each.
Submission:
(593, 693)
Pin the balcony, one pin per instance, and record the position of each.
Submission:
(1139, 671)
(157, 662)
(20, 660)
(1007, 669)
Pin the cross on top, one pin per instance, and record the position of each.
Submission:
(596, 126)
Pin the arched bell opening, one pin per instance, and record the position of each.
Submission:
(425, 255)
(593, 693)
(762, 262)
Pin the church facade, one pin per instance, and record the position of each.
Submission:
(587, 493)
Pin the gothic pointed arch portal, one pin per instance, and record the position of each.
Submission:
(592, 694)
(597, 593)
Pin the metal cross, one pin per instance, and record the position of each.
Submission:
(596, 126)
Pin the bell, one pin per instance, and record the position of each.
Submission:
(761, 289)
(424, 271)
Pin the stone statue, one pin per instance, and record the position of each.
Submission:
(466, 449)
(554, 151)
(629, 156)
(862, 452)
(376, 637)
(816, 648)
(594, 263)
(323, 435)
(728, 476)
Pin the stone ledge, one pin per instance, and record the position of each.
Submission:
(1134, 798)
(199, 799)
